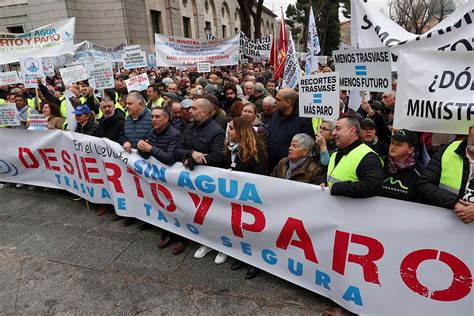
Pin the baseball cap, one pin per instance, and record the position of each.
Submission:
(406, 136)
(186, 103)
(82, 109)
(167, 81)
(367, 122)
(171, 95)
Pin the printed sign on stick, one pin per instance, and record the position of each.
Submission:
(319, 96)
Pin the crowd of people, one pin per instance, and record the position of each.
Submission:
(237, 118)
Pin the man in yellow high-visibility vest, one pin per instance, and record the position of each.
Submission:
(354, 169)
(448, 180)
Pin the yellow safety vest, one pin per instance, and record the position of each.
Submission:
(63, 107)
(316, 122)
(2, 101)
(346, 169)
(451, 169)
(31, 103)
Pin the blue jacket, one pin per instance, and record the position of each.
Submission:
(163, 144)
(280, 132)
(136, 130)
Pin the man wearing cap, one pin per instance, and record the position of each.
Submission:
(86, 123)
(399, 172)
(185, 114)
(448, 180)
(354, 169)
(368, 135)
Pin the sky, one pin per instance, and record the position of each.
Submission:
(276, 4)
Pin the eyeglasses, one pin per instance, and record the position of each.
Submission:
(325, 129)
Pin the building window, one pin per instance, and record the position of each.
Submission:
(17, 29)
(209, 27)
(187, 27)
(156, 22)
(224, 31)
(236, 30)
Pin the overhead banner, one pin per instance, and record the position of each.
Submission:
(10, 77)
(257, 49)
(134, 57)
(364, 69)
(182, 52)
(8, 116)
(101, 75)
(88, 51)
(371, 28)
(301, 234)
(435, 92)
(137, 83)
(51, 40)
(319, 96)
(73, 74)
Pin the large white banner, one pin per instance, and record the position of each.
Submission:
(181, 52)
(435, 92)
(311, 64)
(50, 40)
(87, 52)
(364, 69)
(370, 28)
(372, 256)
(258, 49)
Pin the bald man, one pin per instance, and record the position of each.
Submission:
(285, 124)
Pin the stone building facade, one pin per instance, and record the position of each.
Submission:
(112, 22)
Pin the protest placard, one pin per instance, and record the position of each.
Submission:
(48, 69)
(435, 92)
(292, 72)
(137, 83)
(9, 115)
(181, 52)
(10, 77)
(151, 60)
(32, 66)
(134, 57)
(101, 75)
(203, 67)
(51, 40)
(90, 52)
(73, 74)
(319, 96)
(364, 69)
(258, 49)
(37, 122)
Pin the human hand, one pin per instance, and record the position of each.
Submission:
(199, 158)
(465, 211)
(127, 146)
(320, 141)
(144, 146)
(366, 107)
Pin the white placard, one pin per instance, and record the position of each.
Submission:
(9, 115)
(73, 74)
(37, 122)
(151, 60)
(50, 40)
(32, 66)
(10, 77)
(364, 69)
(137, 83)
(258, 49)
(435, 92)
(319, 96)
(174, 51)
(203, 67)
(134, 57)
(101, 75)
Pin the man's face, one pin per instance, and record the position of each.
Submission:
(81, 118)
(20, 103)
(343, 134)
(388, 100)
(367, 134)
(86, 91)
(119, 84)
(251, 78)
(158, 119)
(399, 150)
(176, 110)
(108, 108)
(270, 87)
(248, 112)
(282, 104)
(172, 88)
(267, 108)
(133, 106)
(197, 112)
(230, 95)
(185, 114)
(249, 89)
(152, 94)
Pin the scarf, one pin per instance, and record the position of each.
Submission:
(394, 166)
(292, 166)
(233, 148)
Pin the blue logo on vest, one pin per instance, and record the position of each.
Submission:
(317, 98)
(361, 70)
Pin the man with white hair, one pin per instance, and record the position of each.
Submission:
(258, 96)
(269, 106)
(448, 180)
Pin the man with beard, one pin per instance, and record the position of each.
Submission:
(112, 121)
(448, 180)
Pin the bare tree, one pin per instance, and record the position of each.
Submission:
(416, 15)
(246, 11)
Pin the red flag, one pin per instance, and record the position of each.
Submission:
(278, 58)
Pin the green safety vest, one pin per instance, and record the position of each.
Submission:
(2, 101)
(451, 169)
(31, 102)
(63, 107)
(347, 166)
(316, 122)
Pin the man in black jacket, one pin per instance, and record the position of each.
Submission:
(354, 169)
(111, 123)
(86, 123)
(448, 180)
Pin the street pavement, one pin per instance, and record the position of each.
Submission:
(58, 257)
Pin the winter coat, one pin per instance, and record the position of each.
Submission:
(253, 166)
(309, 172)
(164, 144)
(111, 127)
(136, 130)
(89, 128)
(402, 185)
